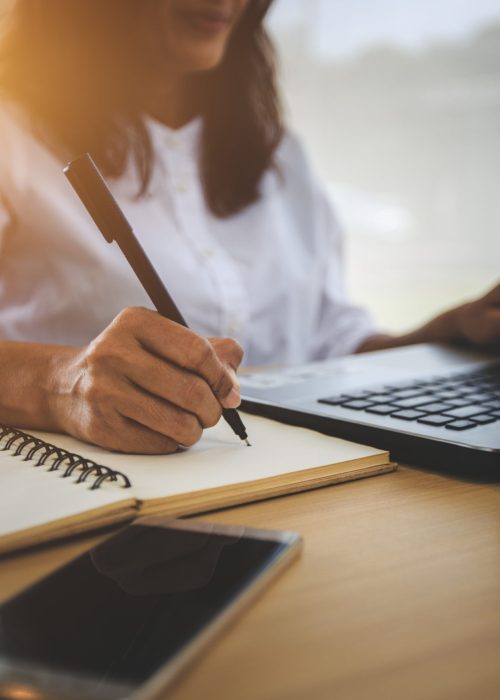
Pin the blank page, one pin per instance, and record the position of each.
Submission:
(220, 459)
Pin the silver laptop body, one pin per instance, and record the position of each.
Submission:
(428, 404)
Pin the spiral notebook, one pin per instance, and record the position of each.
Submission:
(54, 486)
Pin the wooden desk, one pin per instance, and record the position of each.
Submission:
(396, 596)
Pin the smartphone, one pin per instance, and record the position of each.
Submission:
(125, 618)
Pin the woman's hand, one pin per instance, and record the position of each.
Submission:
(478, 322)
(475, 324)
(145, 385)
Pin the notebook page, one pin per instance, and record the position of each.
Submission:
(220, 459)
(32, 498)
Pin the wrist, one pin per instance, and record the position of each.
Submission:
(59, 378)
(29, 377)
(446, 328)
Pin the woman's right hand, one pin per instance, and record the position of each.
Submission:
(144, 385)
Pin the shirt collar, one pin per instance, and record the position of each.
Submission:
(184, 140)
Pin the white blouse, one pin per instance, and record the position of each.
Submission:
(270, 276)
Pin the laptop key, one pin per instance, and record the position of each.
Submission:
(356, 405)
(448, 395)
(407, 393)
(455, 402)
(435, 420)
(362, 394)
(465, 411)
(378, 398)
(381, 409)
(332, 400)
(415, 401)
(435, 407)
(478, 398)
(467, 389)
(460, 425)
(493, 404)
(408, 415)
(484, 419)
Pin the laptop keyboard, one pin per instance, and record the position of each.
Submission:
(455, 402)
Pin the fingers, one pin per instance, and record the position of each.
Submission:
(148, 385)
(117, 415)
(233, 399)
(160, 416)
(174, 385)
(479, 324)
(487, 319)
(493, 296)
(134, 438)
(230, 353)
(183, 347)
(490, 328)
(120, 434)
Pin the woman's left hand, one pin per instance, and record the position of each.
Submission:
(478, 322)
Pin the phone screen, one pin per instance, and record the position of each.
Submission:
(122, 610)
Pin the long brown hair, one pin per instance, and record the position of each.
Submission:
(69, 63)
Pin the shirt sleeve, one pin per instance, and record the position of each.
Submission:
(341, 325)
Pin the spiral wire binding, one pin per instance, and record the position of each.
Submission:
(32, 448)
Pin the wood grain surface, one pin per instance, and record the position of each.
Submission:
(396, 596)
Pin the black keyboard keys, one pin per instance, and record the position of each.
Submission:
(332, 400)
(409, 414)
(465, 411)
(381, 409)
(414, 401)
(484, 419)
(456, 402)
(435, 407)
(435, 420)
(356, 405)
(460, 425)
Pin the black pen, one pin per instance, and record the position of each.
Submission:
(89, 185)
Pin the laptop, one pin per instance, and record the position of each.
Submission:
(429, 404)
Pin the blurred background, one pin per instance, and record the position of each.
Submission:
(398, 104)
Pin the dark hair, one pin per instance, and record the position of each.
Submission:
(70, 64)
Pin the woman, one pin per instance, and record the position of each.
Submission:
(176, 101)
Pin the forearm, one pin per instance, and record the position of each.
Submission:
(442, 329)
(27, 380)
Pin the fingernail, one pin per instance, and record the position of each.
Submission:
(232, 400)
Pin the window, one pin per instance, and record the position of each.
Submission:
(399, 106)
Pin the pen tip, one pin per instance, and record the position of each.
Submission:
(248, 443)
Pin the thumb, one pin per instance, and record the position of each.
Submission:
(230, 354)
(493, 296)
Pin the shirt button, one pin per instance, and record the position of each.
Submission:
(181, 187)
(234, 327)
(208, 252)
